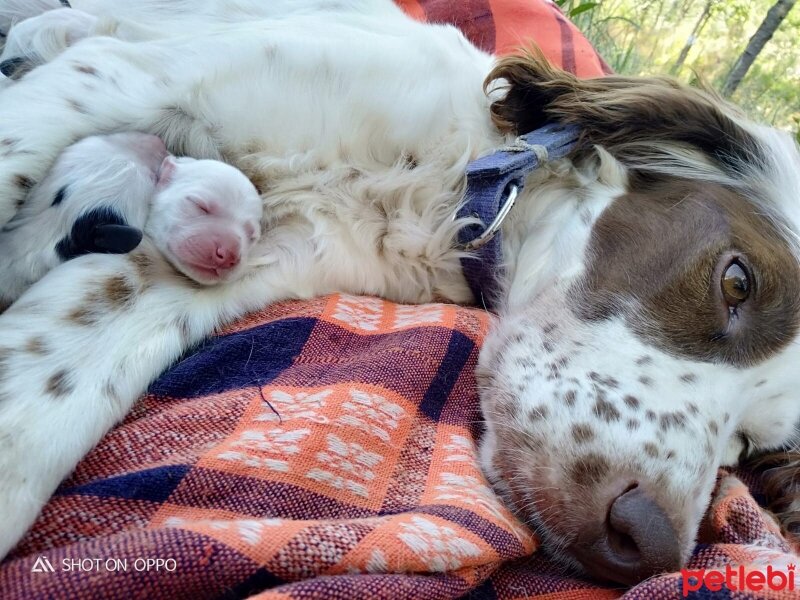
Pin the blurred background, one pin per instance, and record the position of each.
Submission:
(748, 50)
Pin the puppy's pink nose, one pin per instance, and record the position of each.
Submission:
(226, 255)
(636, 540)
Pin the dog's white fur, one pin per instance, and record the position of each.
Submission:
(123, 173)
(356, 123)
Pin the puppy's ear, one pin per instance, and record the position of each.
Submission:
(629, 116)
(166, 171)
(115, 239)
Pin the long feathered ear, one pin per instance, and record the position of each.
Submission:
(780, 478)
(629, 116)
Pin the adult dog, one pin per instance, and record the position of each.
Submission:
(648, 316)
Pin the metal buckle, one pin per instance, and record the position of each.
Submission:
(488, 233)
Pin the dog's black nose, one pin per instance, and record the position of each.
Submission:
(636, 541)
(10, 66)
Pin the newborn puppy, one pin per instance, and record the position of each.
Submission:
(205, 218)
(103, 191)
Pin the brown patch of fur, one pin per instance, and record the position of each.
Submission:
(59, 384)
(582, 433)
(118, 291)
(632, 402)
(691, 228)
(82, 316)
(588, 469)
(606, 411)
(674, 419)
(651, 450)
(537, 413)
(36, 345)
(24, 182)
(142, 263)
(87, 70)
(606, 381)
(629, 116)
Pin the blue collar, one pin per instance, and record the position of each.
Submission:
(493, 184)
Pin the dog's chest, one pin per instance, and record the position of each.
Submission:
(373, 228)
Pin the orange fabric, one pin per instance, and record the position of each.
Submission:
(505, 26)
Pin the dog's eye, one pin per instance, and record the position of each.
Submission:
(735, 283)
(200, 206)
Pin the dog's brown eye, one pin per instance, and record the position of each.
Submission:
(735, 283)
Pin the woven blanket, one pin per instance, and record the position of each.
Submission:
(327, 449)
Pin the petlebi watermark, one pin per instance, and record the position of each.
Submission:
(739, 579)
(104, 565)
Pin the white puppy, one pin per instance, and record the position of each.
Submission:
(103, 191)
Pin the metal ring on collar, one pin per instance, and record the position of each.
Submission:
(494, 227)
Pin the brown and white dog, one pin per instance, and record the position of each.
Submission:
(647, 330)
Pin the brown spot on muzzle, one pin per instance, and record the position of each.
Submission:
(606, 410)
(582, 433)
(588, 469)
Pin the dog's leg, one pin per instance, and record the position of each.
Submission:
(102, 85)
(78, 348)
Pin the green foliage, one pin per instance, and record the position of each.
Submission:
(642, 37)
(574, 8)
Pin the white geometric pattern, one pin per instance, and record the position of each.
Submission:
(249, 530)
(372, 414)
(289, 406)
(438, 546)
(255, 443)
(462, 449)
(406, 316)
(344, 464)
(472, 490)
(362, 313)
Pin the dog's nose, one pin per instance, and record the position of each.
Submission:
(637, 540)
(226, 256)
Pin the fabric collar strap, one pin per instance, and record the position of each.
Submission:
(493, 185)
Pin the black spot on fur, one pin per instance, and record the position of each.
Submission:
(11, 66)
(59, 197)
(102, 231)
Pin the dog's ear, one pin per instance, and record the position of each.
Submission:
(629, 116)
